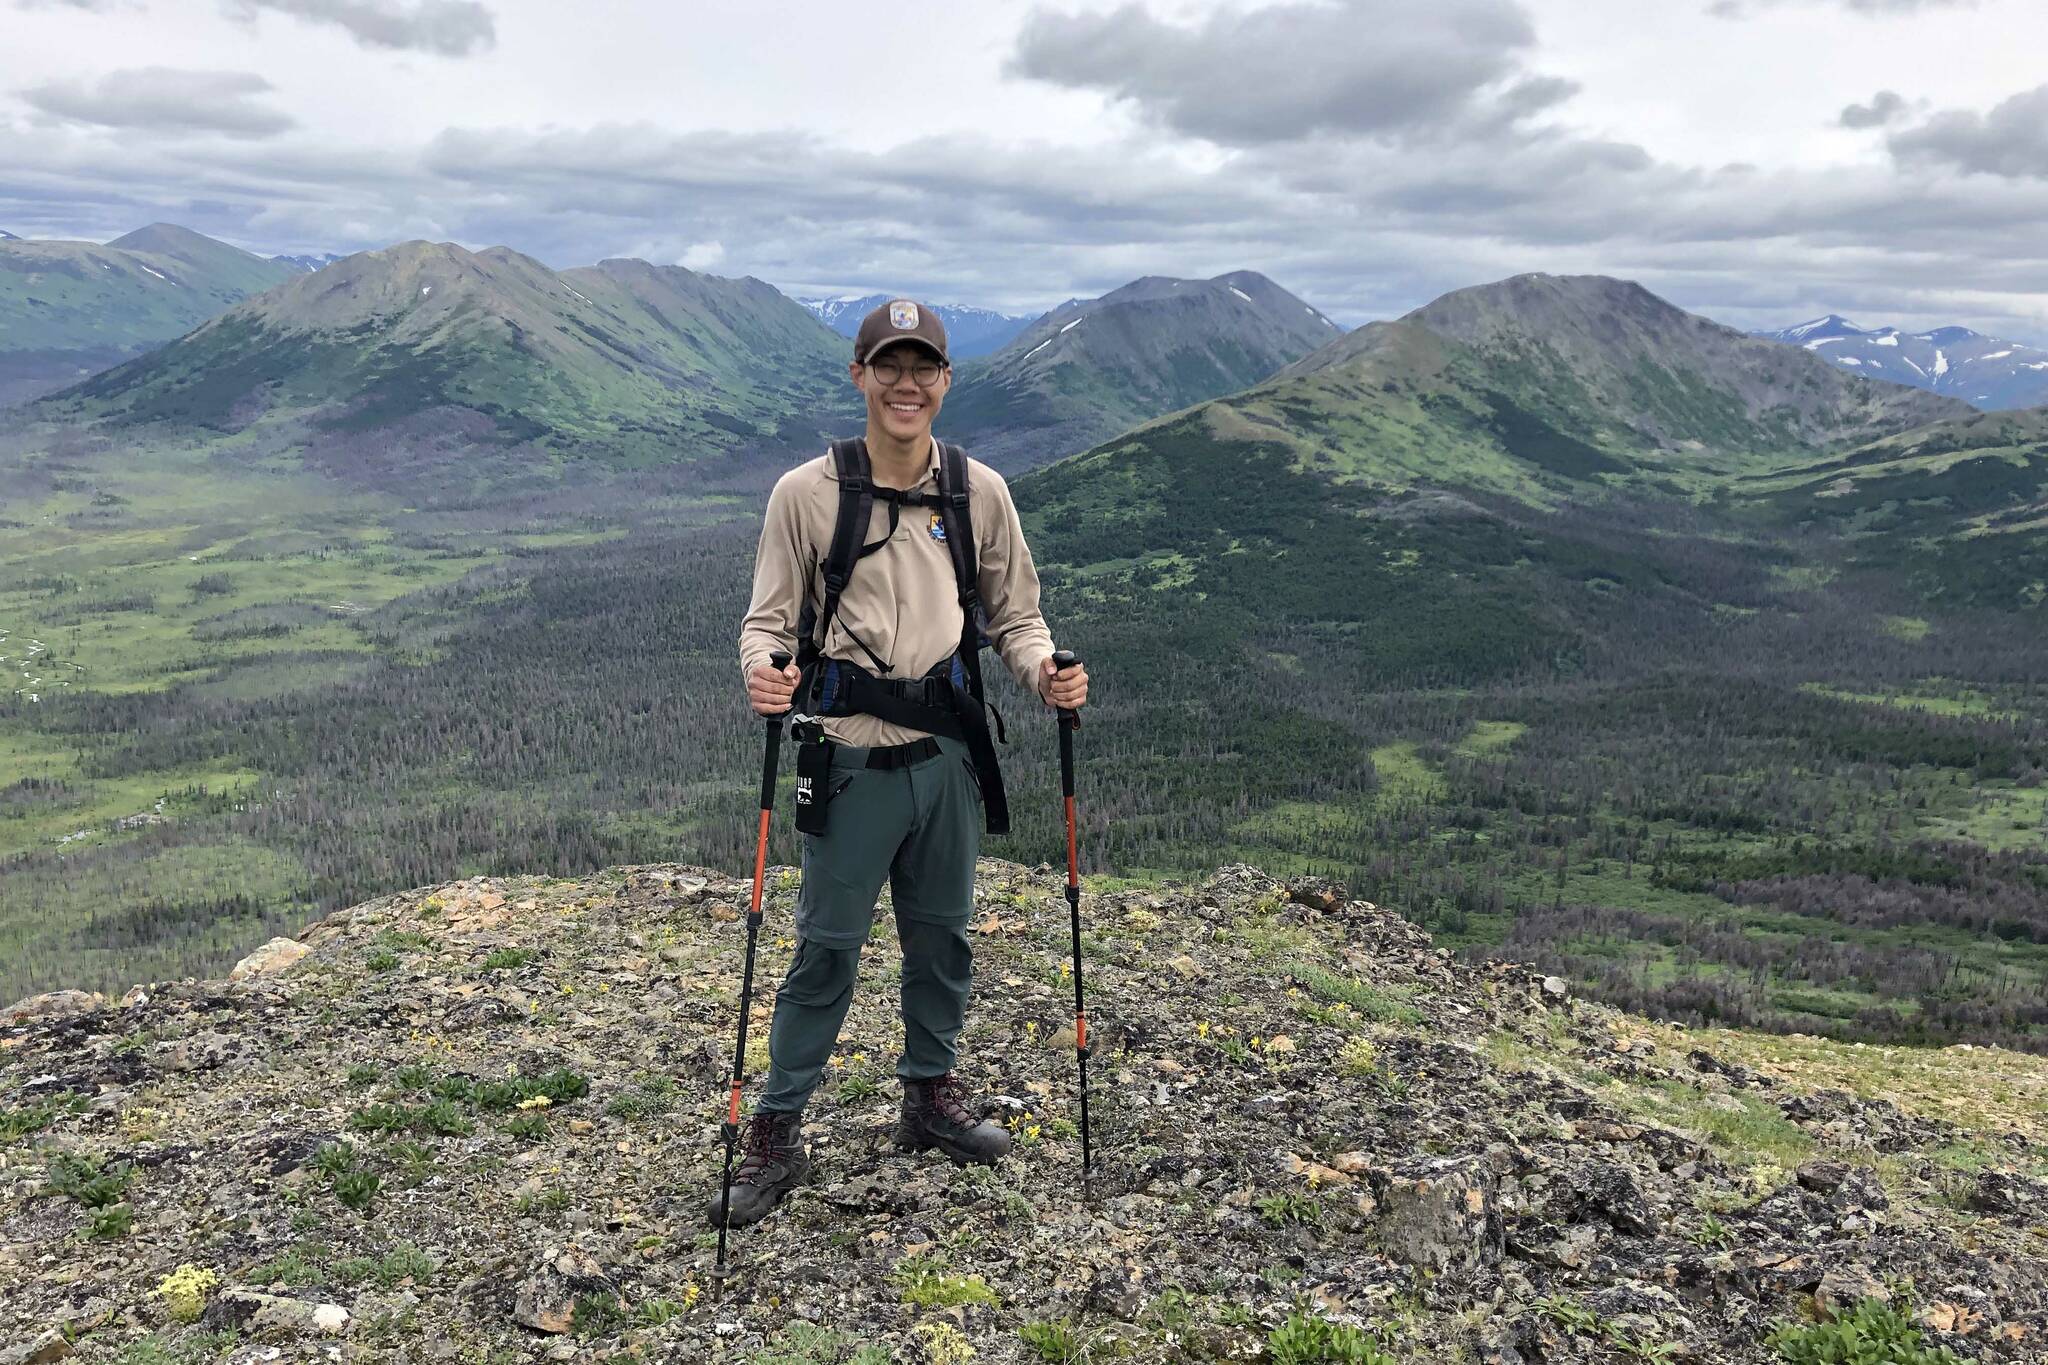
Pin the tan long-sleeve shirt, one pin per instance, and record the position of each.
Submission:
(901, 601)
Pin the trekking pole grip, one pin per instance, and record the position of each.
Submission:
(780, 660)
(1069, 722)
(1064, 659)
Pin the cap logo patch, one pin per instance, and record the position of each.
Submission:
(903, 315)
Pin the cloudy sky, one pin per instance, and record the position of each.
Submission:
(1760, 161)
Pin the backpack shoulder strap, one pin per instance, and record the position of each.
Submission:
(856, 503)
(956, 515)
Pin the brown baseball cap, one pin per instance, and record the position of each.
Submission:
(899, 320)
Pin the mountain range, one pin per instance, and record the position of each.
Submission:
(389, 365)
(68, 309)
(1446, 438)
(1983, 371)
(970, 331)
(1094, 367)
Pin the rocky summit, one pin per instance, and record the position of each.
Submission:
(480, 1122)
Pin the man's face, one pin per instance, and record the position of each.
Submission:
(897, 403)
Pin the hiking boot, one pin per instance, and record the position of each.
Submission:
(774, 1162)
(934, 1116)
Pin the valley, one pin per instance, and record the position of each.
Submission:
(1716, 686)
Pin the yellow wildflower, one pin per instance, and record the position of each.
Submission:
(537, 1102)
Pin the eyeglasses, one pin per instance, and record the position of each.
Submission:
(890, 371)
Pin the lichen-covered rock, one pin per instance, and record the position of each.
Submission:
(52, 1005)
(546, 1300)
(46, 1349)
(1441, 1215)
(271, 958)
(271, 1317)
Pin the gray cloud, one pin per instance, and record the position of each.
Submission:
(1359, 227)
(159, 99)
(1291, 70)
(447, 28)
(1884, 107)
(2011, 140)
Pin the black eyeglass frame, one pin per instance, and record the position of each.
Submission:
(890, 371)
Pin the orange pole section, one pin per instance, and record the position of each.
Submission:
(760, 862)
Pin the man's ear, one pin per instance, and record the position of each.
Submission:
(853, 372)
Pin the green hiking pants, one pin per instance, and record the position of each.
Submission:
(920, 828)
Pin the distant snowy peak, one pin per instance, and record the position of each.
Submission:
(6, 236)
(1953, 360)
(1833, 325)
(970, 331)
(855, 306)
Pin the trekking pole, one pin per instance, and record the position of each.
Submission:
(1062, 659)
(779, 660)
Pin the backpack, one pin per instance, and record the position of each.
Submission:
(948, 700)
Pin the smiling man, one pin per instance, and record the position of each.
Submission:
(882, 567)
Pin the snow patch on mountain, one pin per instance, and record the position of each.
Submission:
(1806, 329)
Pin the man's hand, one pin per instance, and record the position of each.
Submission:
(771, 691)
(1066, 688)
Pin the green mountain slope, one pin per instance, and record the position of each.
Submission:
(428, 352)
(1675, 380)
(1962, 504)
(1094, 367)
(1538, 386)
(68, 309)
(1407, 497)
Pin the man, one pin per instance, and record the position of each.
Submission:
(900, 802)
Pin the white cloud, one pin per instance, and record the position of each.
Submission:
(158, 99)
(701, 256)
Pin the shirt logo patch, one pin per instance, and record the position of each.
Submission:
(903, 315)
(936, 528)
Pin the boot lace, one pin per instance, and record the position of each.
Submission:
(945, 1095)
(761, 1146)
